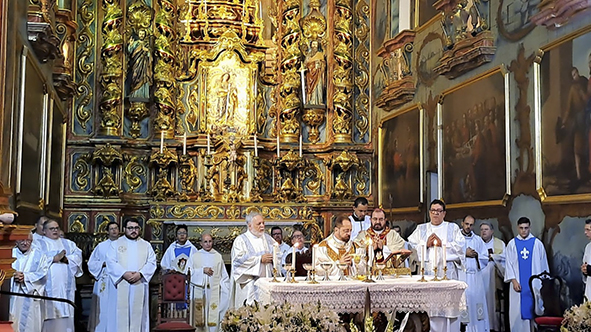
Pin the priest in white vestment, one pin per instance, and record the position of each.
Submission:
(31, 269)
(493, 273)
(432, 237)
(211, 291)
(525, 256)
(360, 219)
(38, 233)
(65, 267)
(252, 258)
(178, 254)
(586, 266)
(336, 248)
(476, 260)
(131, 263)
(103, 286)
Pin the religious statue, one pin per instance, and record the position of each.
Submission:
(140, 63)
(315, 63)
(226, 99)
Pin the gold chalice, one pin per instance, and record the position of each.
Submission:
(326, 267)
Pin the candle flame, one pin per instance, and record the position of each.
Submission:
(435, 242)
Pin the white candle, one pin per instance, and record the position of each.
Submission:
(161, 141)
(256, 146)
(293, 257)
(275, 251)
(444, 254)
(208, 144)
(185, 143)
(303, 86)
(314, 248)
(370, 252)
(301, 146)
(278, 146)
(435, 248)
(423, 249)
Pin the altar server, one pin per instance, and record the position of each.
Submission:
(179, 253)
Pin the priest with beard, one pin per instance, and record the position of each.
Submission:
(337, 247)
(252, 258)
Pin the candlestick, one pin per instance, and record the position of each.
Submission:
(278, 146)
(435, 262)
(208, 144)
(301, 145)
(422, 275)
(185, 143)
(256, 146)
(161, 141)
(423, 249)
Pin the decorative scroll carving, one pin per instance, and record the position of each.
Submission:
(554, 14)
(82, 171)
(313, 178)
(109, 158)
(133, 173)
(43, 40)
(342, 167)
(111, 75)
(84, 65)
(362, 68)
(342, 76)
(164, 80)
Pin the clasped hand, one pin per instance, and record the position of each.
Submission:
(431, 241)
(60, 257)
(208, 271)
(19, 277)
(132, 277)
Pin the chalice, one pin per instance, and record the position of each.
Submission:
(287, 268)
(342, 267)
(326, 267)
(380, 266)
(308, 268)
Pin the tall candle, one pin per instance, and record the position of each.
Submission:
(256, 147)
(161, 141)
(277, 146)
(435, 248)
(370, 253)
(185, 143)
(208, 144)
(423, 249)
(303, 86)
(314, 249)
(293, 257)
(275, 251)
(301, 146)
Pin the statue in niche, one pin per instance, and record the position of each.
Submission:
(398, 64)
(460, 21)
(140, 63)
(315, 63)
(226, 99)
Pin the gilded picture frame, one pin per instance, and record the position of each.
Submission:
(473, 135)
(562, 116)
(401, 166)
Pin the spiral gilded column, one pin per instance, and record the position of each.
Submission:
(343, 70)
(111, 76)
(165, 91)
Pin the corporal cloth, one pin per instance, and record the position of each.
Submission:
(211, 294)
(129, 309)
(25, 313)
(103, 287)
(247, 267)
(524, 258)
(61, 283)
(476, 315)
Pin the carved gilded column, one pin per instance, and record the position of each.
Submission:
(362, 76)
(111, 77)
(84, 68)
(289, 89)
(343, 69)
(164, 68)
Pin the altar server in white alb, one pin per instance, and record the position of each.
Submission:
(493, 273)
(476, 260)
(435, 235)
(337, 247)
(131, 263)
(211, 293)
(65, 267)
(31, 268)
(103, 287)
(360, 219)
(179, 253)
(38, 233)
(252, 258)
(525, 256)
(586, 267)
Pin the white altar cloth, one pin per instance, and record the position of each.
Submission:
(444, 299)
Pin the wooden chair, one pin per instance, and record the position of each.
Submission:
(552, 288)
(174, 293)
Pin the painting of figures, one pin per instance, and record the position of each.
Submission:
(400, 161)
(474, 167)
(565, 101)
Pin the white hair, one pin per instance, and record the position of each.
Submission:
(251, 216)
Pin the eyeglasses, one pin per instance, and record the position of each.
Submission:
(53, 229)
(181, 233)
(133, 228)
(297, 237)
(434, 211)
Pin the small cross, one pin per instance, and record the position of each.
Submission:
(524, 253)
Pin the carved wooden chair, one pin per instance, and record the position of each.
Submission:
(550, 292)
(174, 303)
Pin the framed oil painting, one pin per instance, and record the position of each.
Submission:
(563, 116)
(473, 141)
(401, 161)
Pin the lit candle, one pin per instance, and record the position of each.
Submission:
(261, 10)
(208, 144)
(300, 146)
(370, 252)
(314, 249)
(256, 146)
(293, 257)
(435, 248)
(185, 143)
(423, 249)
(277, 146)
(161, 141)
(275, 251)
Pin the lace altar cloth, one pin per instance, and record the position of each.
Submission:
(406, 294)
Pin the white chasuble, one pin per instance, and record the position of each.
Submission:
(103, 287)
(129, 309)
(25, 313)
(477, 313)
(247, 267)
(210, 293)
(330, 250)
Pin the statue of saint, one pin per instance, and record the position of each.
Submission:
(140, 63)
(315, 63)
(227, 100)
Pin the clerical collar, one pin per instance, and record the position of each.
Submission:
(488, 240)
(467, 235)
(339, 242)
(378, 232)
(356, 218)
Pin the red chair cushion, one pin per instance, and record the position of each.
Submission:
(174, 287)
(175, 326)
(549, 321)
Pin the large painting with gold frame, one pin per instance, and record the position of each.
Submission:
(473, 137)
(563, 116)
(401, 160)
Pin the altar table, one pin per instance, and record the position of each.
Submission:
(444, 299)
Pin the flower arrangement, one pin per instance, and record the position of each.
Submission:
(281, 318)
(577, 318)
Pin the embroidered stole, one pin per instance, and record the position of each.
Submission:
(130, 320)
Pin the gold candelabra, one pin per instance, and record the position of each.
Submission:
(435, 272)
(422, 275)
